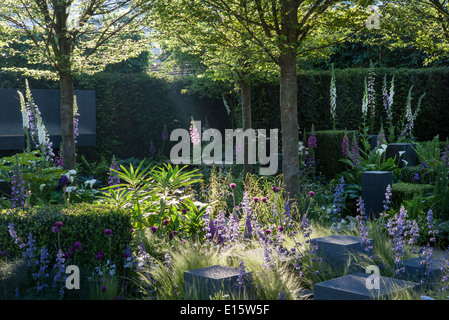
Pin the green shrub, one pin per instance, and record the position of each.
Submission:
(329, 152)
(405, 191)
(426, 176)
(84, 223)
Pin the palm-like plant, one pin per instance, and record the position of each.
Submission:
(152, 194)
(133, 192)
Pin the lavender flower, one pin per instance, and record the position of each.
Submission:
(113, 176)
(345, 146)
(428, 249)
(152, 150)
(338, 200)
(164, 134)
(17, 193)
(362, 223)
(240, 283)
(167, 260)
(234, 229)
(398, 228)
(287, 219)
(60, 272)
(281, 295)
(29, 253)
(387, 201)
(268, 262)
(14, 235)
(354, 153)
(42, 273)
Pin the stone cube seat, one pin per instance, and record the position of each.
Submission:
(354, 287)
(203, 283)
(414, 270)
(339, 250)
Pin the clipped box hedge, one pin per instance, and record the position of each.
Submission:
(405, 191)
(427, 176)
(84, 223)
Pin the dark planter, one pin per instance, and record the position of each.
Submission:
(410, 154)
(374, 186)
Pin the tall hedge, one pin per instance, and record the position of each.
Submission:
(329, 152)
(132, 109)
(314, 100)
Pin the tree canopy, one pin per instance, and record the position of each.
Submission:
(68, 37)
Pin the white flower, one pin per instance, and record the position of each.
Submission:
(365, 101)
(25, 118)
(401, 153)
(382, 149)
(90, 183)
(41, 133)
(70, 189)
(42, 186)
(70, 174)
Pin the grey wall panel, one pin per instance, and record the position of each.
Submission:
(48, 101)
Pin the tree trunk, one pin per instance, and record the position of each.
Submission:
(288, 96)
(289, 123)
(245, 90)
(68, 138)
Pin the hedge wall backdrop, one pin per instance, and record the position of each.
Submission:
(132, 109)
(314, 101)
